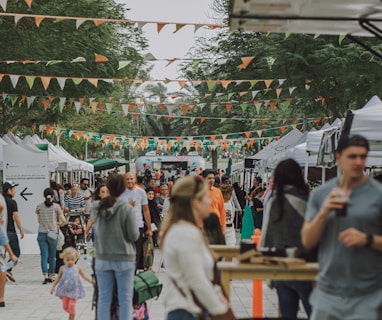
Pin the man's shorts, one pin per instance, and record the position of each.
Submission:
(3, 262)
(333, 307)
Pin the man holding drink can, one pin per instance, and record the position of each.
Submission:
(344, 219)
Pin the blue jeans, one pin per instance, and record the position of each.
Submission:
(289, 294)
(123, 272)
(181, 314)
(47, 253)
(14, 243)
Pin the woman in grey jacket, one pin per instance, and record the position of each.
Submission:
(115, 250)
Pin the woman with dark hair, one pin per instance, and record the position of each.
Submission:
(117, 231)
(99, 193)
(188, 261)
(282, 225)
(49, 217)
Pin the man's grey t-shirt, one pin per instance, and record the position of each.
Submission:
(356, 270)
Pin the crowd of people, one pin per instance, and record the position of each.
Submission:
(338, 224)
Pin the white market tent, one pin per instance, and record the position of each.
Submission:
(59, 159)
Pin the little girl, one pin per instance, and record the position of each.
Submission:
(70, 286)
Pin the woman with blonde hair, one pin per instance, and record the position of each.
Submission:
(187, 259)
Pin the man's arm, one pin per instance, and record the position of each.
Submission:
(312, 230)
(354, 238)
(236, 202)
(16, 218)
(147, 217)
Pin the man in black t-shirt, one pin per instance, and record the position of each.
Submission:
(9, 192)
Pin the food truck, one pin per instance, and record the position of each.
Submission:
(169, 164)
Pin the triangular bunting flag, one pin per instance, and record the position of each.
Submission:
(98, 22)
(178, 27)
(125, 108)
(79, 22)
(100, 58)
(258, 106)
(3, 4)
(14, 79)
(291, 89)
(278, 92)
(245, 62)
(77, 105)
(228, 108)
(122, 64)
(211, 85)
(109, 107)
(160, 26)
(17, 18)
(38, 21)
(30, 81)
(268, 83)
(202, 119)
(93, 81)
(61, 82)
(29, 3)
(30, 101)
(225, 83)
(254, 93)
(45, 82)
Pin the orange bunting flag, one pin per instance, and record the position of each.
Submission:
(282, 129)
(184, 108)
(202, 119)
(213, 138)
(272, 104)
(247, 134)
(45, 82)
(278, 92)
(178, 139)
(245, 62)
(171, 61)
(98, 22)
(161, 107)
(268, 83)
(182, 83)
(38, 21)
(322, 99)
(316, 122)
(46, 104)
(169, 118)
(228, 107)
(136, 116)
(100, 58)
(160, 26)
(263, 121)
(81, 100)
(94, 105)
(29, 3)
(225, 83)
(243, 93)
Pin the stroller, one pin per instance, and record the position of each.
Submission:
(76, 228)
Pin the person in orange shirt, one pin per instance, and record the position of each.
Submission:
(217, 200)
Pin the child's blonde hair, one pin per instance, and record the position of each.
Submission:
(70, 251)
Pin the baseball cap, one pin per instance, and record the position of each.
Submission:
(9, 184)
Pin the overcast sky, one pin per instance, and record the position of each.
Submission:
(168, 45)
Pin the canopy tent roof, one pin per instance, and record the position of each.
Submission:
(59, 159)
(332, 17)
(278, 146)
(106, 164)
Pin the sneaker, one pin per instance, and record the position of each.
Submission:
(2, 304)
(10, 276)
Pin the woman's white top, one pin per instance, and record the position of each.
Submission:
(189, 263)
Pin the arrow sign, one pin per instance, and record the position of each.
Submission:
(23, 193)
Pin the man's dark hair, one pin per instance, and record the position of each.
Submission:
(352, 140)
(140, 179)
(224, 178)
(83, 179)
(206, 172)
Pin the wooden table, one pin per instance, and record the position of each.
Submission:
(235, 270)
(222, 251)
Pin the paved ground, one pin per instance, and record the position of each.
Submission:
(29, 299)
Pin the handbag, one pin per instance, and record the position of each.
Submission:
(61, 240)
(52, 236)
(146, 286)
(205, 315)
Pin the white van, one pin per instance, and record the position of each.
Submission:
(169, 164)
